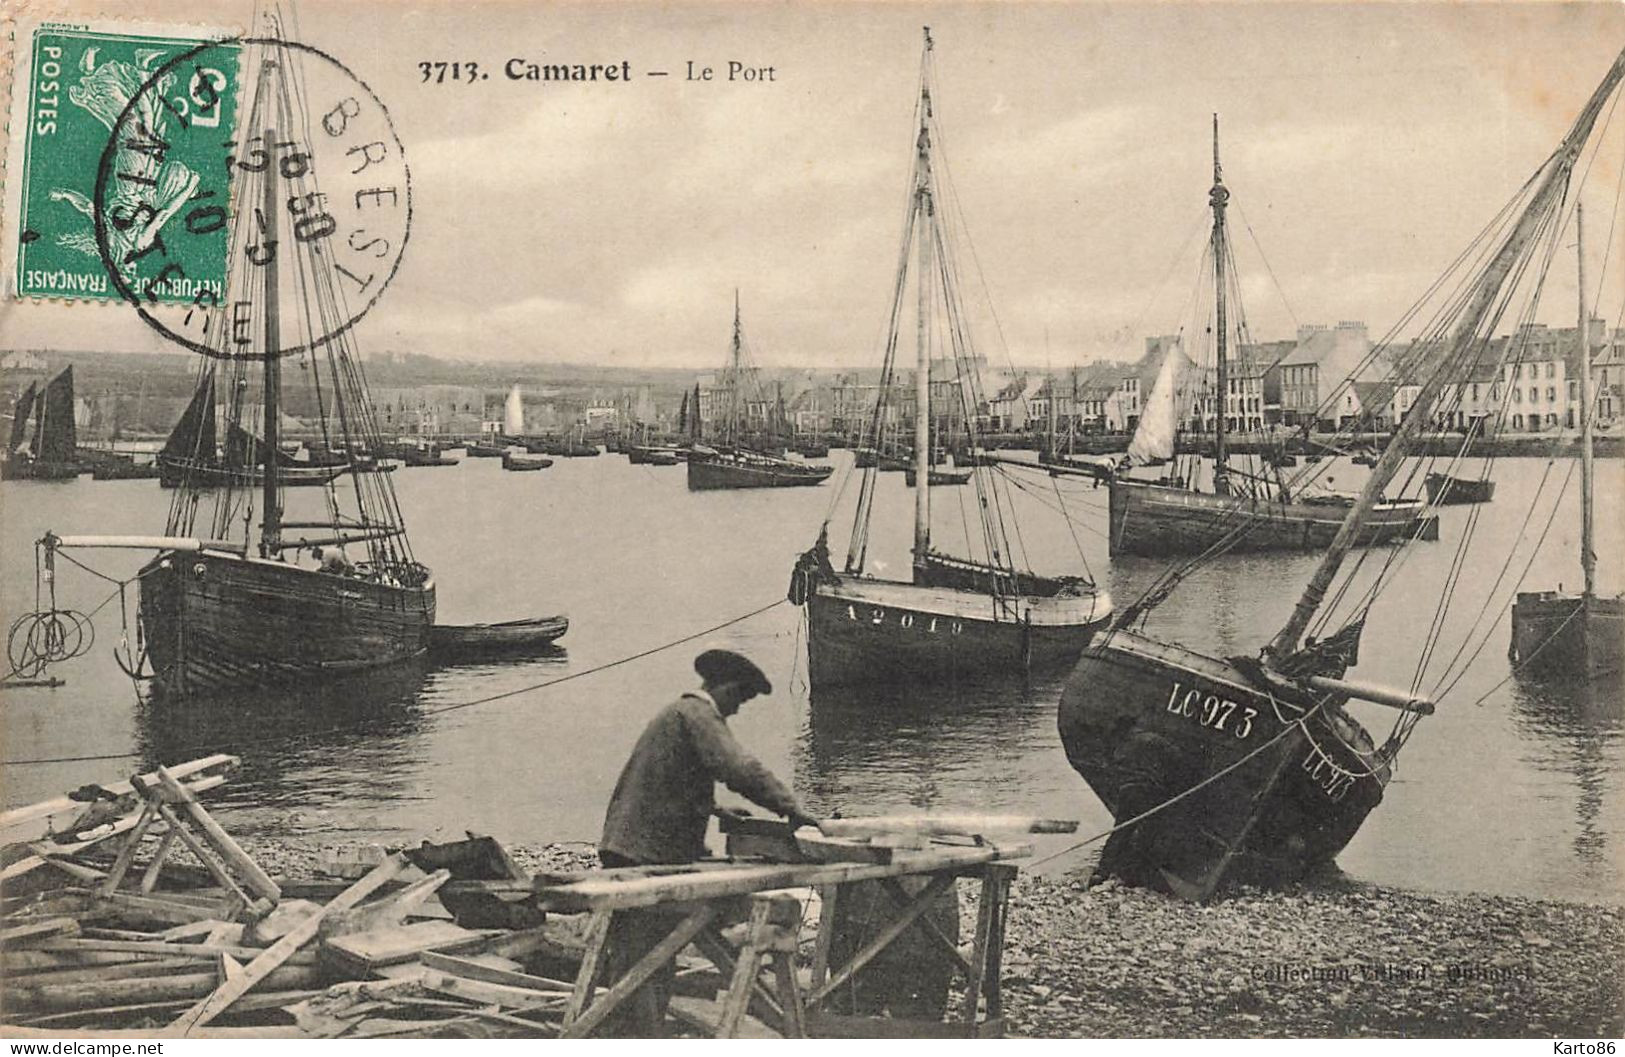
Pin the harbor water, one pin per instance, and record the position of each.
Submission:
(1510, 788)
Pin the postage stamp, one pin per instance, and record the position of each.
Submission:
(82, 83)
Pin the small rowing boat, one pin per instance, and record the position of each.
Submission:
(460, 642)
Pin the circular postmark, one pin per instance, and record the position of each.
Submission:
(244, 172)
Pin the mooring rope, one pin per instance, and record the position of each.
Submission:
(482, 700)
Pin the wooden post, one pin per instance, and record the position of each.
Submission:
(586, 979)
(1001, 875)
(829, 901)
(255, 878)
(659, 955)
(746, 968)
(985, 910)
(126, 854)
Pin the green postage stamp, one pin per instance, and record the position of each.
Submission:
(75, 82)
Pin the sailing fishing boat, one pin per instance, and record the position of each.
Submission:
(733, 459)
(221, 605)
(52, 452)
(190, 459)
(1562, 634)
(956, 617)
(1253, 766)
(1252, 508)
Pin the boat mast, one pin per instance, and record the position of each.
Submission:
(271, 515)
(1218, 197)
(1480, 301)
(922, 357)
(1588, 557)
(733, 379)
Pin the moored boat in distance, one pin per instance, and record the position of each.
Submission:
(523, 461)
(309, 595)
(956, 618)
(1558, 635)
(1244, 508)
(1252, 767)
(450, 643)
(1445, 490)
(724, 460)
(51, 452)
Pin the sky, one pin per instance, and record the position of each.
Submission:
(611, 223)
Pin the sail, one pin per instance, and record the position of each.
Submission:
(193, 435)
(55, 438)
(20, 412)
(243, 448)
(682, 415)
(1159, 421)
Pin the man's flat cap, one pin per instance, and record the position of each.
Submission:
(726, 666)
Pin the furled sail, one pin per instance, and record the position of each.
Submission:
(513, 415)
(1154, 438)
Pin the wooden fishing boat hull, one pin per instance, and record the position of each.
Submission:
(175, 473)
(865, 630)
(458, 642)
(213, 620)
(1158, 521)
(1444, 490)
(1143, 721)
(484, 451)
(524, 463)
(412, 457)
(128, 470)
(25, 468)
(1568, 636)
(639, 455)
(725, 471)
(940, 477)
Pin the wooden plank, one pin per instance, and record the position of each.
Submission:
(829, 901)
(659, 955)
(34, 932)
(161, 949)
(586, 977)
(45, 809)
(120, 971)
(126, 855)
(102, 1014)
(741, 880)
(550, 939)
(473, 970)
(483, 992)
(254, 878)
(262, 966)
(970, 825)
(389, 912)
(157, 908)
(816, 847)
(22, 997)
(166, 843)
(985, 910)
(190, 931)
(366, 951)
(747, 968)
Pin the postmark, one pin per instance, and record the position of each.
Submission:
(314, 184)
(80, 81)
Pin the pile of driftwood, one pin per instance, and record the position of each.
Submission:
(128, 908)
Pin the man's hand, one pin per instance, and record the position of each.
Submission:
(798, 820)
(725, 812)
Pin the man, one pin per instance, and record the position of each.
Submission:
(666, 792)
(662, 804)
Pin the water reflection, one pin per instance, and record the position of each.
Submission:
(308, 744)
(958, 745)
(1570, 727)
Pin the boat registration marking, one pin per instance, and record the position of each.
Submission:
(1211, 710)
(876, 615)
(1327, 776)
